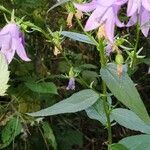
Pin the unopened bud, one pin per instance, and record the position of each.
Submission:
(119, 59)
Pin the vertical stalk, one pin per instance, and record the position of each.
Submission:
(136, 46)
(103, 62)
(107, 113)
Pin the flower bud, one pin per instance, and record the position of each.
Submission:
(119, 59)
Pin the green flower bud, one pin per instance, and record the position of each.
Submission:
(119, 59)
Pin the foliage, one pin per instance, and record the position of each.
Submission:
(84, 88)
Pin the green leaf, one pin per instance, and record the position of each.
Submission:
(44, 87)
(69, 138)
(77, 102)
(130, 120)
(77, 37)
(87, 66)
(117, 146)
(145, 61)
(4, 75)
(96, 112)
(10, 131)
(90, 76)
(124, 90)
(49, 135)
(138, 142)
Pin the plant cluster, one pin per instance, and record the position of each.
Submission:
(88, 56)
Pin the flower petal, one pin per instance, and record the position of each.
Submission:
(146, 4)
(22, 38)
(86, 7)
(71, 84)
(106, 3)
(132, 7)
(132, 20)
(144, 18)
(9, 53)
(11, 28)
(108, 49)
(20, 49)
(5, 41)
(110, 27)
(94, 20)
(120, 2)
(116, 9)
(118, 22)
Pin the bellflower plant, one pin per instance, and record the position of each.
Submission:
(11, 41)
(104, 12)
(139, 11)
(96, 82)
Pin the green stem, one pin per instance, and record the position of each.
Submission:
(107, 113)
(136, 47)
(103, 63)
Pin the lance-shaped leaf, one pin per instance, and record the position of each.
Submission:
(4, 75)
(124, 90)
(43, 87)
(130, 120)
(78, 37)
(77, 102)
(10, 131)
(97, 111)
(137, 142)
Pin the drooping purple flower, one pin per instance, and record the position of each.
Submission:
(104, 12)
(11, 41)
(71, 84)
(139, 11)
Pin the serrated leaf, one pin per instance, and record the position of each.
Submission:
(10, 131)
(44, 87)
(4, 75)
(77, 102)
(124, 90)
(49, 135)
(138, 142)
(130, 120)
(77, 37)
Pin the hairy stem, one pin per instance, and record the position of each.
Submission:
(107, 113)
(103, 63)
